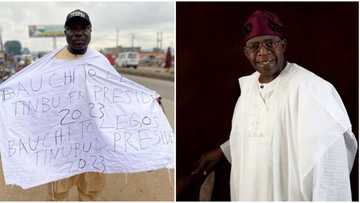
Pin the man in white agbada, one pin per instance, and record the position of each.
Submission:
(71, 113)
(291, 137)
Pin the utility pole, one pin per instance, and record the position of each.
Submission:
(1, 40)
(159, 39)
(117, 37)
(54, 43)
(132, 41)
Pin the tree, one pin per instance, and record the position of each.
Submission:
(13, 47)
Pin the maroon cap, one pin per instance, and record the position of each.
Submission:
(262, 23)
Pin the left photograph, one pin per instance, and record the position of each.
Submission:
(87, 101)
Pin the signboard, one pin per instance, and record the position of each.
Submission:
(46, 31)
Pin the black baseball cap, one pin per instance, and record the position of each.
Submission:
(77, 14)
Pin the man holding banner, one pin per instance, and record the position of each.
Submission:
(78, 36)
(70, 117)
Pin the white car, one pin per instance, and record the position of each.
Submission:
(128, 59)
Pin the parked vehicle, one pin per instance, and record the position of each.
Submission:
(128, 59)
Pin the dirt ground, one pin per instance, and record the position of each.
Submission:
(150, 186)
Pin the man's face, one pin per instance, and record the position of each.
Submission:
(266, 55)
(78, 36)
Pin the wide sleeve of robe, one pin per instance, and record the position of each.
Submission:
(325, 145)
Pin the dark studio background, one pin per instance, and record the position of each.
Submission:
(322, 37)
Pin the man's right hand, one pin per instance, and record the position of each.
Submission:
(208, 161)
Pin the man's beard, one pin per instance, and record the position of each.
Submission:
(77, 51)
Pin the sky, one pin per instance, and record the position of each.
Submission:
(143, 19)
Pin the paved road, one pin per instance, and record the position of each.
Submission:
(164, 88)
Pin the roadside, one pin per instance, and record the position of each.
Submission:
(149, 71)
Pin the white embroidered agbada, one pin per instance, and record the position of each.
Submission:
(60, 118)
(291, 139)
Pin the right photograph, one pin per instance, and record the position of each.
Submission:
(267, 101)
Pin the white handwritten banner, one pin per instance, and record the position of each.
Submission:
(60, 118)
